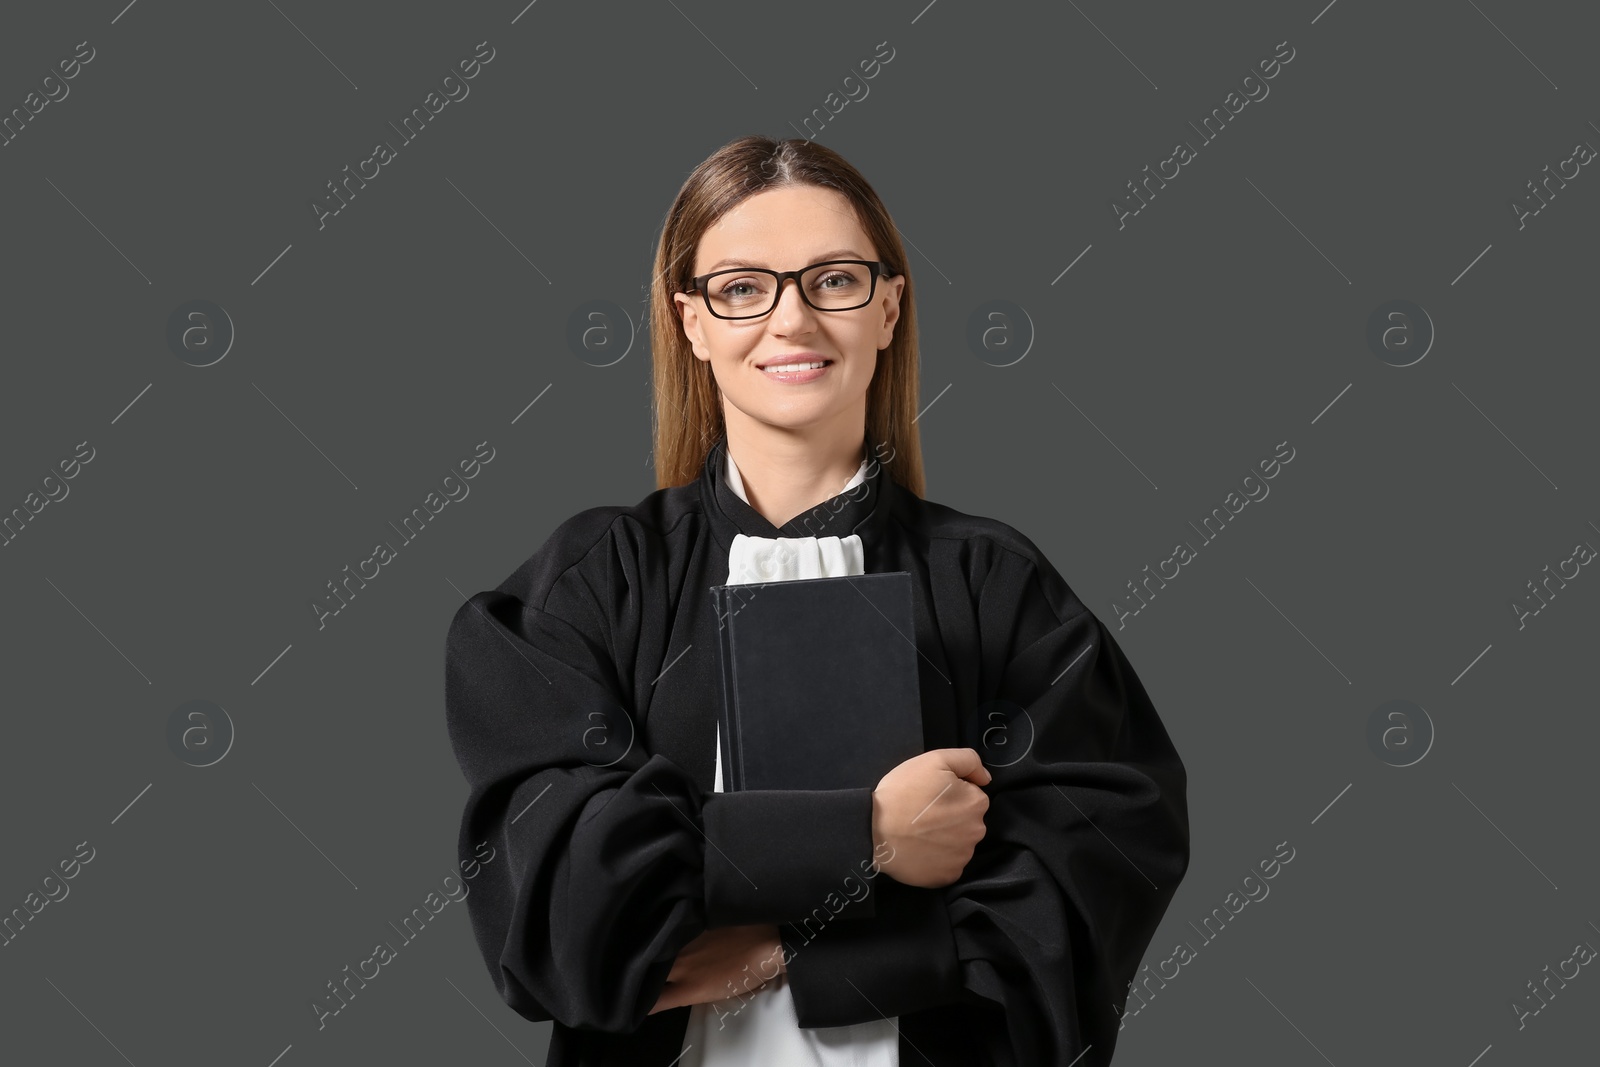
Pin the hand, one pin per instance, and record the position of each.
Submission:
(705, 966)
(929, 810)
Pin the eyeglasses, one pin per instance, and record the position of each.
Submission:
(751, 292)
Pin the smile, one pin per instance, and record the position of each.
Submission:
(798, 373)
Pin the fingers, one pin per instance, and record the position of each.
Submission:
(668, 999)
(967, 764)
(743, 952)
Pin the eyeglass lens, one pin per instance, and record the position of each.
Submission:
(828, 286)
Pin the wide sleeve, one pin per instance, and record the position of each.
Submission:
(607, 859)
(1086, 839)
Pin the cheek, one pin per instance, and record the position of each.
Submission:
(864, 346)
(729, 349)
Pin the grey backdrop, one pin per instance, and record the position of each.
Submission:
(1162, 357)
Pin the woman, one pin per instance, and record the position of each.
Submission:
(1018, 868)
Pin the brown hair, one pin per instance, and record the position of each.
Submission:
(687, 412)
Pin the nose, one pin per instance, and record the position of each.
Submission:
(792, 311)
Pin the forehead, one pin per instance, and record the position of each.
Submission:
(783, 228)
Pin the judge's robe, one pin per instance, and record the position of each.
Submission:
(581, 701)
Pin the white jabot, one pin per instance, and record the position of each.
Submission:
(761, 1026)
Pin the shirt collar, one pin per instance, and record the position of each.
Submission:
(862, 510)
(737, 483)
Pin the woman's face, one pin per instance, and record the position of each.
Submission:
(787, 228)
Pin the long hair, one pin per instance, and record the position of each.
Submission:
(687, 413)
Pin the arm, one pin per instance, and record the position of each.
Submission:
(1086, 841)
(611, 859)
(903, 959)
(774, 855)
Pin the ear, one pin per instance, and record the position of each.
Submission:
(890, 300)
(693, 326)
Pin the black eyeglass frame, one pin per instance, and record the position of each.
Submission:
(875, 268)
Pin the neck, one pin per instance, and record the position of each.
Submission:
(786, 472)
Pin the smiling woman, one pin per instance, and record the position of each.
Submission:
(744, 318)
(1015, 893)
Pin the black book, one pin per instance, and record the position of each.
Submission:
(819, 680)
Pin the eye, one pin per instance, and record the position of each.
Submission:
(738, 288)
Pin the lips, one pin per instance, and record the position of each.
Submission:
(794, 374)
(780, 361)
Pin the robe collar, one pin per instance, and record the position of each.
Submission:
(862, 510)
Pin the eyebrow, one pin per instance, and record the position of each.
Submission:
(822, 257)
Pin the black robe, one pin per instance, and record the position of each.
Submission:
(581, 698)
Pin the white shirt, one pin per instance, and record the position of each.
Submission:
(761, 1027)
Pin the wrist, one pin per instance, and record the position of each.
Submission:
(879, 840)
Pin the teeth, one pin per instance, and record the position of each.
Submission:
(787, 367)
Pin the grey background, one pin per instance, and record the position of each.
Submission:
(374, 354)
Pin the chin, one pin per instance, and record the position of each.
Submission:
(795, 416)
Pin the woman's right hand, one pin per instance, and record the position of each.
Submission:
(929, 811)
